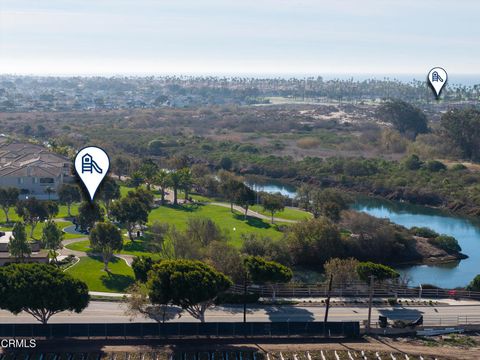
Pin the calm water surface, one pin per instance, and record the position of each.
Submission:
(465, 230)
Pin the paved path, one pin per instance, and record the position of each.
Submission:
(169, 197)
(111, 312)
(253, 213)
(65, 251)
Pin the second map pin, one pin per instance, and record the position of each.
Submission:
(437, 78)
(92, 164)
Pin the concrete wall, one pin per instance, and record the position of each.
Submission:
(33, 185)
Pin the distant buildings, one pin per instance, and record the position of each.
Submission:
(32, 169)
(37, 254)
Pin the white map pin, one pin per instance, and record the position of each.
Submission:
(92, 164)
(437, 78)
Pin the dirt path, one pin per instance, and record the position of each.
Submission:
(287, 346)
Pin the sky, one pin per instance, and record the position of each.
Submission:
(240, 37)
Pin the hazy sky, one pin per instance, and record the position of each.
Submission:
(238, 37)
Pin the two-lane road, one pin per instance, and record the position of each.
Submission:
(114, 312)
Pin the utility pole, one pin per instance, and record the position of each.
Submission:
(327, 303)
(327, 306)
(245, 297)
(370, 300)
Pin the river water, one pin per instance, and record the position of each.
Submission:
(465, 230)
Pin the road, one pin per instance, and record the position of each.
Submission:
(111, 312)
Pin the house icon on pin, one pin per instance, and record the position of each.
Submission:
(88, 164)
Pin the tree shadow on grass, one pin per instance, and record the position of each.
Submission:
(116, 282)
(253, 221)
(137, 245)
(112, 280)
(185, 207)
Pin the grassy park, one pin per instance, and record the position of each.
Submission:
(287, 213)
(234, 224)
(90, 270)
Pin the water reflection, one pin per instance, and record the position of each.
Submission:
(466, 230)
(272, 187)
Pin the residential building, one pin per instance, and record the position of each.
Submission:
(33, 169)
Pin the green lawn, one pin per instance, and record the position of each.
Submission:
(234, 224)
(90, 270)
(37, 233)
(137, 248)
(287, 213)
(62, 213)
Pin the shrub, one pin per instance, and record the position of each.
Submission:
(230, 298)
(435, 166)
(392, 301)
(308, 143)
(474, 284)
(424, 232)
(447, 243)
(458, 167)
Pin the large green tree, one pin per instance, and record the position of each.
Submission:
(8, 198)
(69, 194)
(89, 213)
(121, 166)
(149, 170)
(52, 237)
(163, 181)
(32, 211)
(229, 185)
(190, 284)
(462, 127)
(406, 118)
(108, 191)
(176, 182)
(129, 212)
(186, 181)
(262, 271)
(141, 265)
(474, 284)
(244, 196)
(272, 203)
(379, 272)
(312, 242)
(19, 247)
(40, 290)
(106, 238)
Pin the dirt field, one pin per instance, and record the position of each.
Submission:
(459, 347)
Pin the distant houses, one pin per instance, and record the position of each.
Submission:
(33, 169)
(37, 254)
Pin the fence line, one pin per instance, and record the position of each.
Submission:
(354, 290)
(182, 329)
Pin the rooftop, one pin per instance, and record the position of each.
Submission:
(25, 159)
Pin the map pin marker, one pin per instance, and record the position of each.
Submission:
(437, 78)
(92, 164)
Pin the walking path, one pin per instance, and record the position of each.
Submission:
(253, 213)
(65, 251)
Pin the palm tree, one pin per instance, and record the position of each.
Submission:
(186, 180)
(163, 181)
(176, 179)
